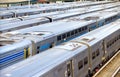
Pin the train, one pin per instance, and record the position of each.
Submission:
(34, 6)
(79, 57)
(22, 12)
(86, 3)
(49, 35)
(35, 21)
(23, 18)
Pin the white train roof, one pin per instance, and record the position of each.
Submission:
(52, 4)
(21, 23)
(13, 45)
(54, 28)
(38, 10)
(47, 61)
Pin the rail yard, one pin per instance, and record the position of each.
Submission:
(68, 39)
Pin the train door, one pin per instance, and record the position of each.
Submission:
(26, 53)
(104, 51)
(69, 69)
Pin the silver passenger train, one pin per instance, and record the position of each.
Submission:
(76, 58)
(85, 3)
(48, 35)
(41, 20)
(48, 15)
(22, 12)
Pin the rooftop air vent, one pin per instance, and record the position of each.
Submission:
(9, 34)
(70, 46)
(5, 42)
(88, 39)
(75, 19)
(91, 18)
(35, 33)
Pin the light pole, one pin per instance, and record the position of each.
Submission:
(29, 3)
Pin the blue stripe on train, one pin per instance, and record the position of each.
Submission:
(45, 46)
(93, 27)
(11, 57)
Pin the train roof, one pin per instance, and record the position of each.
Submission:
(10, 45)
(21, 23)
(51, 14)
(39, 60)
(34, 35)
(18, 24)
(5, 13)
(10, 20)
(95, 36)
(53, 4)
(39, 33)
(47, 61)
(41, 9)
(57, 26)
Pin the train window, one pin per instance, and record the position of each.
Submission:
(93, 55)
(59, 38)
(63, 36)
(0, 32)
(107, 45)
(116, 16)
(113, 41)
(80, 64)
(43, 11)
(85, 27)
(72, 33)
(110, 44)
(82, 28)
(25, 14)
(38, 47)
(12, 16)
(79, 29)
(117, 38)
(75, 31)
(2, 18)
(106, 20)
(97, 52)
(68, 34)
(85, 60)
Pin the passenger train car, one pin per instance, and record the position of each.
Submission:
(53, 16)
(19, 48)
(34, 22)
(85, 3)
(22, 12)
(45, 15)
(48, 35)
(76, 58)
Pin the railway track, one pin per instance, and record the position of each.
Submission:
(109, 69)
(117, 73)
